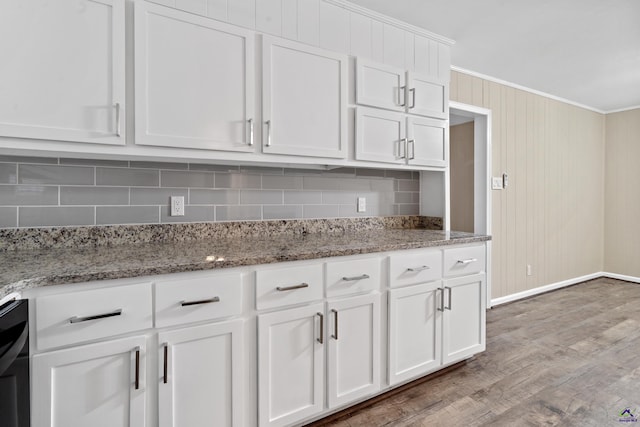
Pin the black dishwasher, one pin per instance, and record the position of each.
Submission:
(14, 364)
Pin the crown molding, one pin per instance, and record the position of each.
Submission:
(622, 110)
(391, 21)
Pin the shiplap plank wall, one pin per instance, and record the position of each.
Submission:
(622, 207)
(329, 26)
(551, 214)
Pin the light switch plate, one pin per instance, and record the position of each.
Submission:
(496, 183)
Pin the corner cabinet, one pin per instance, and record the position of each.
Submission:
(63, 73)
(304, 100)
(184, 98)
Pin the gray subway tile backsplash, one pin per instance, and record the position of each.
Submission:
(55, 175)
(51, 216)
(61, 192)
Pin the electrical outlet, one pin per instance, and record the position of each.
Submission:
(362, 204)
(177, 206)
(496, 183)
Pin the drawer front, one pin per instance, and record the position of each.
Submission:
(415, 267)
(467, 260)
(290, 285)
(198, 299)
(352, 277)
(74, 317)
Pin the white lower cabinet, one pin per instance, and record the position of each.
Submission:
(354, 348)
(200, 375)
(415, 331)
(464, 317)
(291, 359)
(98, 385)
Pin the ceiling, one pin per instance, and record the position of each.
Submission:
(584, 51)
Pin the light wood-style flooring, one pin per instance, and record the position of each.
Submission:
(569, 357)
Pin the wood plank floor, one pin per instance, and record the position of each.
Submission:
(568, 357)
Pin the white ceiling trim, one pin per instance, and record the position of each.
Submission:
(534, 91)
(621, 110)
(391, 21)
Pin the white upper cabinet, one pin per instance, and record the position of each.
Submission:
(380, 136)
(304, 100)
(62, 75)
(393, 88)
(427, 142)
(427, 96)
(184, 96)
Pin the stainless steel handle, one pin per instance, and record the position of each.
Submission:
(354, 278)
(441, 308)
(416, 269)
(137, 379)
(76, 319)
(413, 97)
(201, 301)
(268, 123)
(449, 289)
(412, 143)
(165, 368)
(335, 324)
(401, 89)
(250, 131)
(321, 339)
(467, 261)
(291, 288)
(402, 154)
(117, 118)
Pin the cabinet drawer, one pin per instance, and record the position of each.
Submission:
(290, 285)
(352, 277)
(194, 300)
(467, 260)
(415, 267)
(74, 317)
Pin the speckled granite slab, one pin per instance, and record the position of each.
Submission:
(34, 268)
(77, 237)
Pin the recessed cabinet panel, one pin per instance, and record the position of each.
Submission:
(62, 75)
(380, 85)
(184, 98)
(304, 100)
(380, 136)
(427, 144)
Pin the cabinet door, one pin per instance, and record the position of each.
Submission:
(354, 348)
(415, 325)
(428, 142)
(380, 136)
(427, 96)
(464, 318)
(290, 365)
(62, 75)
(92, 385)
(379, 85)
(200, 375)
(304, 100)
(194, 81)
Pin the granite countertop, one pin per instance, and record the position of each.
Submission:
(24, 269)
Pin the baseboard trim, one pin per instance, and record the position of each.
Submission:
(621, 277)
(547, 288)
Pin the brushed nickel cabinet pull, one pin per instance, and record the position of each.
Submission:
(413, 97)
(201, 301)
(354, 278)
(467, 261)
(441, 308)
(449, 289)
(412, 144)
(137, 380)
(401, 89)
(291, 288)
(250, 132)
(335, 324)
(76, 319)
(268, 123)
(165, 366)
(321, 339)
(117, 106)
(416, 269)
